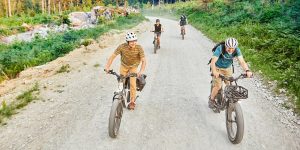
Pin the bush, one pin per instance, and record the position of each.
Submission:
(268, 35)
(18, 56)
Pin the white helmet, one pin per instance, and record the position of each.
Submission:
(231, 43)
(131, 36)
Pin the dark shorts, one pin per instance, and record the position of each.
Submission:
(157, 33)
(182, 23)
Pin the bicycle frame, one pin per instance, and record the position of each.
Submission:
(226, 102)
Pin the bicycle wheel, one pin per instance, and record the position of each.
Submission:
(115, 117)
(235, 123)
(155, 46)
(182, 35)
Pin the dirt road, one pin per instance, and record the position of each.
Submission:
(171, 112)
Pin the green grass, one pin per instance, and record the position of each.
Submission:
(16, 57)
(6, 111)
(64, 68)
(268, 35)
(97, 65)
(12, 25)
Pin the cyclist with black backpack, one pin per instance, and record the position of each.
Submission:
(182, 23)
(221, 62)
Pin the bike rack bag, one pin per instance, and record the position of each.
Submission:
(236, 92)
(140, 82)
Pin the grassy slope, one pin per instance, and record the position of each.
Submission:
(269, 35)
(19, 56)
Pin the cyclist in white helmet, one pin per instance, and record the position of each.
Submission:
(221, 62)
(132, 55)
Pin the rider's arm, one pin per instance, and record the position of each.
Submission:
(143, 66)
(244, 66)
(213, 67)
(109, 62)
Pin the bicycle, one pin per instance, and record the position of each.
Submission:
(156, 46)
(122, 94)
(228, 99)
(182, 32)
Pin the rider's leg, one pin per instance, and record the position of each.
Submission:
(123, 70)
(182, 29)
(158, 39)
(133, 84)
(217, 82)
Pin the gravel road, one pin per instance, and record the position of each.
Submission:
(171, 112)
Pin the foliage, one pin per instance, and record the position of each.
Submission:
(269, 34)
(7, 110)
(12, 25)
(19, 56)
(64, 68)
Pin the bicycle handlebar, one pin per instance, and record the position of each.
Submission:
(232, 79)
(157, 32)
(119, 76)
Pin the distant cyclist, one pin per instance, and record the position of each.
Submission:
(157, 31)
(182, 22)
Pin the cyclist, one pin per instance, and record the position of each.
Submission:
(182, 22)
(157, 31)
(131, 56)
(220, 64)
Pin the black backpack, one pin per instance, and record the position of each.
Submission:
(183, 19)
(223, 52)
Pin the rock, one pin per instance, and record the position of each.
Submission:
(27, 27)
(298, 122)
(78, 18)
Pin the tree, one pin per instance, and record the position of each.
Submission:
(9, 8)
(49, 7)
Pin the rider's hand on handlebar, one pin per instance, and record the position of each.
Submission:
(216, 74)
(139, 74)
(106, 69)
(249, 74)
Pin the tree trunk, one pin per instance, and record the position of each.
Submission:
(54, 5)
(43, 6)
(59, 6)
(49, 7)
(5, 9)
(9, 8)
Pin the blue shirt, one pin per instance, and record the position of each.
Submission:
(226, 60)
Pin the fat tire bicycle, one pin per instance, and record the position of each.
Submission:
(227, 100)
(120, 99)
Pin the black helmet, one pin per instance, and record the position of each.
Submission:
(157, 20)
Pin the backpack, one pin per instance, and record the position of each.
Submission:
(183, 20)
(234, 54)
